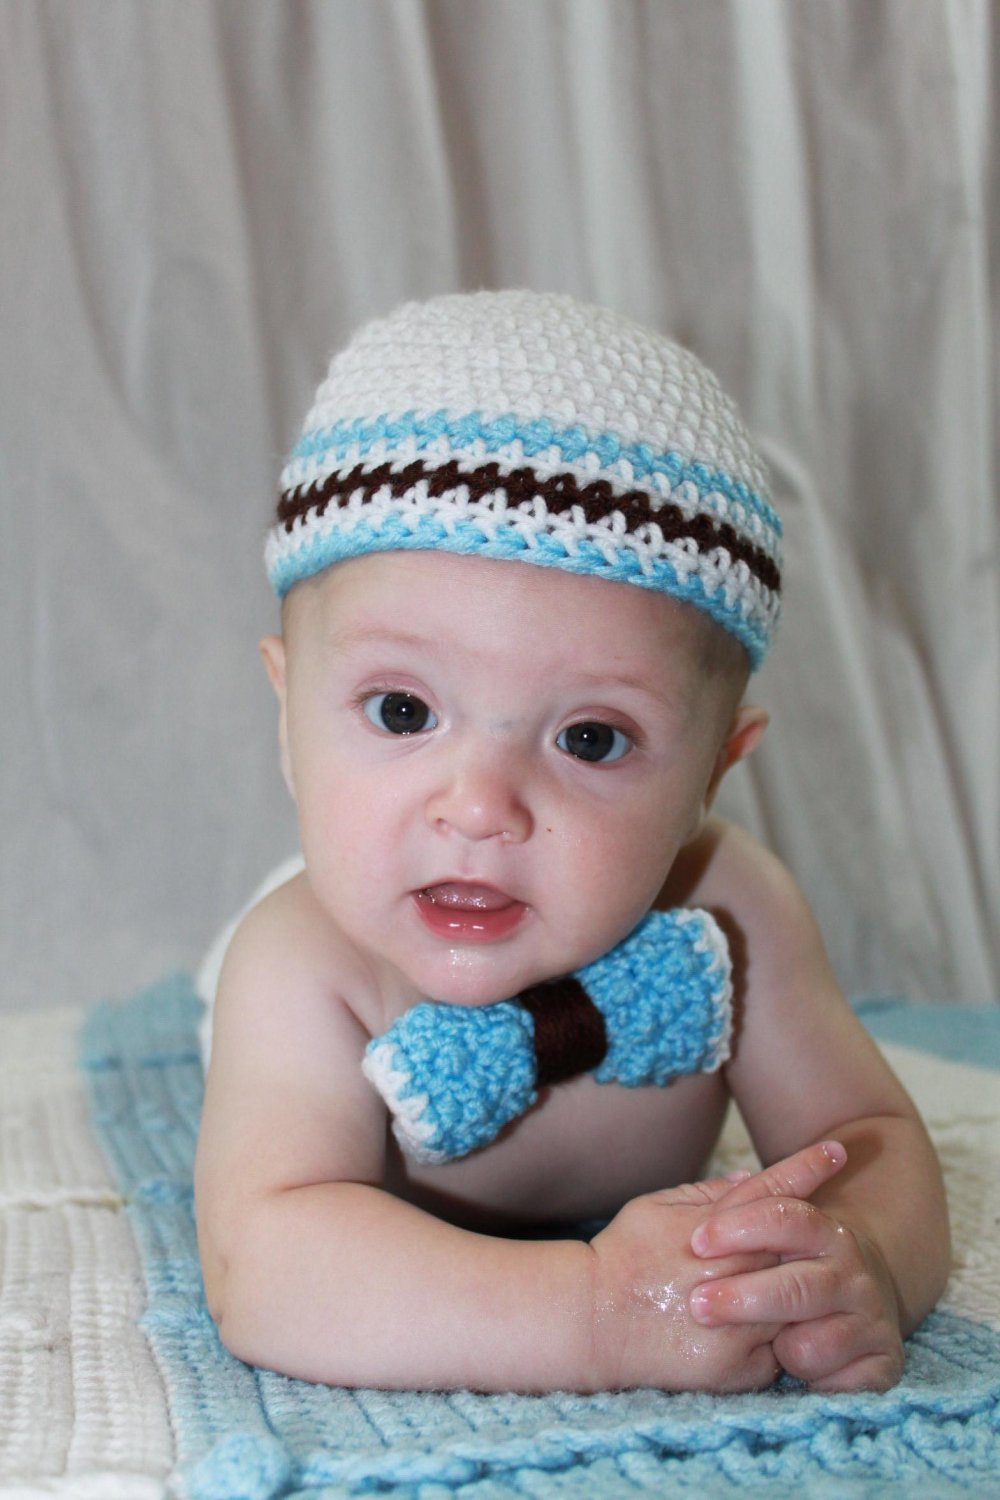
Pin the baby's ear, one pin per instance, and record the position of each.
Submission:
(272, 651)
(742, 738)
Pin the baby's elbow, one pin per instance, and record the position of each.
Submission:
(255, 1293)
(236, 1307)
(227, 1282)
(236, 1337)
(217, 1283)
(213, 1273)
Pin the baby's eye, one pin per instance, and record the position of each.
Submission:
(594, 741)
(399, 713)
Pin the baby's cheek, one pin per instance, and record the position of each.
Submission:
(626, 865)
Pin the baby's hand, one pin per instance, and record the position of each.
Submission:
(645, 1333)
(828, 1286)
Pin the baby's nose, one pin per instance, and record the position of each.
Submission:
(484, 798)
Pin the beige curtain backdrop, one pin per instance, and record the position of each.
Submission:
(200, 200)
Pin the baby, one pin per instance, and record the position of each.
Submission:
(527, 566)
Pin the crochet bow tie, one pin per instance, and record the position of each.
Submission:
(656, 1006)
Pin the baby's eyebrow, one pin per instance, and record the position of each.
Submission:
(348, 637)
(637, 680)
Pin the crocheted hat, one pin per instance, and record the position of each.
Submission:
(532, 426)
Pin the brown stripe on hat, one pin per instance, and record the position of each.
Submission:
(560, 492)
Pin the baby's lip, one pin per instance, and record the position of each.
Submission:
(469, 911)
(468, 895)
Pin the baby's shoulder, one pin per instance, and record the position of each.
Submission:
(731, 873)
(287, 959)
(284, 912)
(725, 862)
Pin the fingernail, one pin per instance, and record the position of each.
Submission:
(740, 1175)
(700, 1303)
(835, 1152)
(699, 1240)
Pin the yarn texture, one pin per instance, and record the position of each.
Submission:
(534, 427)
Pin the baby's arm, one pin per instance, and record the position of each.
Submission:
(867, 1258)
(312, 1269)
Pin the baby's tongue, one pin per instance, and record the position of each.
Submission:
(467, 897)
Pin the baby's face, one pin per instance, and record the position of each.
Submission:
(495, 764)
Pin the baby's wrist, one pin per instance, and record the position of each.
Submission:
(606, 1361)
(619, 1301)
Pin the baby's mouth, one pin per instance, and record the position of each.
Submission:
(465, 911)
(459, 896)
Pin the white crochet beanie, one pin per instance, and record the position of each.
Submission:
(532, 426)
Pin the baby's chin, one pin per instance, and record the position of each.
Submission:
(468, 981)
(478, 976)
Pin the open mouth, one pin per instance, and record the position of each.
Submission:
(468, 911)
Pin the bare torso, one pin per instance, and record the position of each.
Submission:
(580, 1153)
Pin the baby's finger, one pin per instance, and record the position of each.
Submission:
(842, 1352)
(796, 1176)
(789, 1228)
(796, 1292)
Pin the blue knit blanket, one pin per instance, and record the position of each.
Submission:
(242, 1432)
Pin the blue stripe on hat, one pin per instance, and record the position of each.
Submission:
(575, 444)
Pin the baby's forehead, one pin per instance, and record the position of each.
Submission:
(418, 582)
(513, 608)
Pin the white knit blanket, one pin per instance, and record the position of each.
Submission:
(83, 1409)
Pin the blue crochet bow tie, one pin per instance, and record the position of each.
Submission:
(654, 1007)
